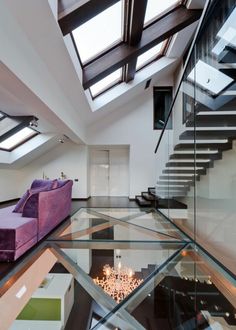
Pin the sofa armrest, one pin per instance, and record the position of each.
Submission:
(53, 207)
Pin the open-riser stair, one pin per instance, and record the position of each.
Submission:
(150, 199)
(214, 133)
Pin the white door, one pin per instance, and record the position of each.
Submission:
(109, 173)
(99, 172)
(119, 172)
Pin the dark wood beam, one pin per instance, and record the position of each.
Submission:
(130, 70)
(136, 19)
(137, 14)
(72, 17)
(164, 28)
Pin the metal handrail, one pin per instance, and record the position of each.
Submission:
(197, 33)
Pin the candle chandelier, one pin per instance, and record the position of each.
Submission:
(118, 282)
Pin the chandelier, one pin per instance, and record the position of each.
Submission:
(118, 283)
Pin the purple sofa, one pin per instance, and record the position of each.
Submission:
(42, 212)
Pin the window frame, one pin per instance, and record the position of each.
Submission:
(125, 24)
(21, 142)
(162, 88)
(108, 48)
(23, 122)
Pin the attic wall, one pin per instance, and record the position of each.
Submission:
(9, 183)
(132, 125)
(69, 158)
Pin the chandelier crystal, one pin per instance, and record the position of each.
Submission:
(118, 283)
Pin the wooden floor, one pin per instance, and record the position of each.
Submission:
(103, 202)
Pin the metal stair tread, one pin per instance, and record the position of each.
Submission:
(147, 196)
(142, 202)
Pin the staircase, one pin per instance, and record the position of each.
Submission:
(209, 298)
(150, 199)
(145, 272)
(214, 133)
(147, 198)
(179, 297)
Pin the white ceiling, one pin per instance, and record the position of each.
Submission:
(39, 77)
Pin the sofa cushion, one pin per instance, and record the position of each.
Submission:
(61, 183)
(20, 204)
(15, 230)
(30, 209)
(38, 183)
(11, 255)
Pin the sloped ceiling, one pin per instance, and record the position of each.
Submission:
(39, 77)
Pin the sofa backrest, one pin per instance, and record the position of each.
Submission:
(39, 183)
(53, 207)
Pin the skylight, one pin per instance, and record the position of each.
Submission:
(148, 56)
(229, 23)
(227, 34)
(99, 33)
(106, 82)
(6, 124)
(16, 139)
(209, 78)
(156, 7)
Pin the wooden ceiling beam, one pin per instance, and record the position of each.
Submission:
(159, 31)
(134, 35)
(72, 15)
(137, 14)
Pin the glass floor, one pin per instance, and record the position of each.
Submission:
(118, 269)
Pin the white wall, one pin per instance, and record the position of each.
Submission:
(132, 125)
(69, 158)
(9, 184)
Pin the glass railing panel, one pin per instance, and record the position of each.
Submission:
(200, 149)
(215, 122)
(175, 183)
(163, 152)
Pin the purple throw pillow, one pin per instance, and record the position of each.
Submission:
(54, 184)
(30, 209)
(21, 203)
(48, 184)
(61, 183)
